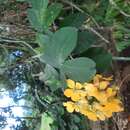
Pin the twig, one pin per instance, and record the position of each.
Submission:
(119, 9)
(97, 33)
(18, 41)
(12, 47)
(73, 5)
(125, 78)
(89, 28)
(39, 100)
(120, 122)
(80, 10)
(121, 58)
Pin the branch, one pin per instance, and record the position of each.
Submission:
(80, 10)
(39, 100)
(97, 33)
(89, 28)
(73, 5)
(121, 58)
(23, 43)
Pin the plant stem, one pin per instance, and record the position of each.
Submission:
(121, 58)
(19, 42)
(97, 33)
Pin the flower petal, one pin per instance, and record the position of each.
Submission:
(70, 106)
(103, 85)
(92, 116)
(108, 78)
(76, 96)
(68, 92)
(70, 83)
(101, 116)
(78, 85)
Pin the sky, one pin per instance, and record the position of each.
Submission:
(5, 101)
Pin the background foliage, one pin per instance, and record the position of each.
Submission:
(72, 39)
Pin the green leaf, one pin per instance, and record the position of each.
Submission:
(39, 4)
(60, 46)
(46, 120)
(37, 14)
(42, 40)
(120, 46)
(75, 20)
(85, 40)
(53, 84)
(76, 118)
(79, 69)
(51, 13)
(33, 16)
(50, 73)
(51, 78)
(41, 16)
(102, 58)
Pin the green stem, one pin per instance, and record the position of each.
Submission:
(121, 58)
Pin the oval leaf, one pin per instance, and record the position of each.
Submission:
(41, 16)
(79, 69)
(85, 40)
(51, 13)
(61, 45)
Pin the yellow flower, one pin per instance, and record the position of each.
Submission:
(96, 79)
(71, 84)
(96, 100)
(83, 104)
(103, 85)
(101, 97)
(114, 106)
(100, 81)
(107, 109)
(93, 91)
(91, 115)
(74, 91)
(100, 115)
(97, 106)
(78, 85)
(70, 106)
(108, 114)
(100, 108)
(68, 92)
(90, 89)
(76, 96)
(110, 78)
(84, 108)
(110, 92)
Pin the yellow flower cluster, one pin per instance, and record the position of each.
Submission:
(97, 100)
